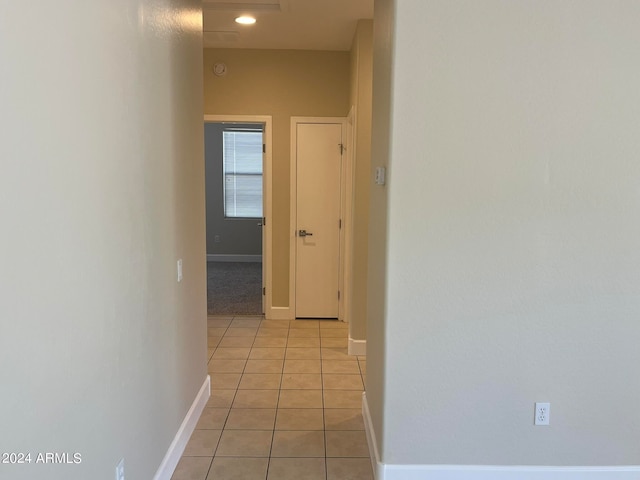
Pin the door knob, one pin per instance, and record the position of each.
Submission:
(304, 233)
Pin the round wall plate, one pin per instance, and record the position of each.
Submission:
(220, 69)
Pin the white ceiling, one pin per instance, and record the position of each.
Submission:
(284, 24)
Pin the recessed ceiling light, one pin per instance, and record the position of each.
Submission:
(246, 20)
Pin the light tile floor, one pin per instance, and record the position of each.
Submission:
(286, 403)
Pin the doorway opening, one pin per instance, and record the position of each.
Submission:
(235, 151)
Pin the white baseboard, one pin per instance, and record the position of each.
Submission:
(487, 472)
(278, 313)
(172, 457)
(371, 439)
(219, 257)
(357, 347)
(383, 471)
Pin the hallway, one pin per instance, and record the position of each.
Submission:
(286, 403)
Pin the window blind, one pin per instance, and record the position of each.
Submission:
(242, 173)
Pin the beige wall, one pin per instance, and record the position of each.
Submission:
(361, 79)
(511, 242)
(102, 352)
(280, 83)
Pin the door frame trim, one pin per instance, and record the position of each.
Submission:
(267, 198)
(348, 202)
(346, 205)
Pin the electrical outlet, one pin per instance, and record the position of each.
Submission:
(216, 239)
(120, 470)
(180, 270)
(543, 411)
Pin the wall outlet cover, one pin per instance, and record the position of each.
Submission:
(120, 470)
(543, 410)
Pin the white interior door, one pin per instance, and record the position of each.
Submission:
(318, 187)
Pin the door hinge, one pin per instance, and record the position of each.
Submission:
(342, 148)
(264, 290)
(340, 224)
(264, 221)
(264, 148)
(338, 294)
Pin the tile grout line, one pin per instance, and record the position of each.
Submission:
(237, 386)
(236, 389)
(215, 450)
(275, 419)
(211, 462)
(324, 423)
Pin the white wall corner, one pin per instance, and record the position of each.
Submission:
(357, 347)
(278, 313)
(172, 457)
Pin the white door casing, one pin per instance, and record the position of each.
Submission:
(317, 203)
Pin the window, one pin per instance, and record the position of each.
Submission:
(242, 173)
